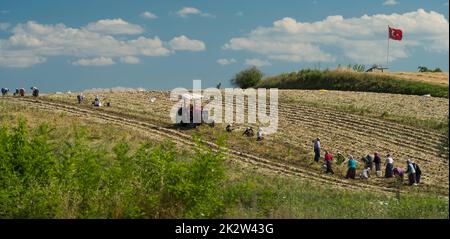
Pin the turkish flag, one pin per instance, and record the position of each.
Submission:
(395, 34)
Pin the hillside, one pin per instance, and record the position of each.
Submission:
(439, 78)
(353, 81)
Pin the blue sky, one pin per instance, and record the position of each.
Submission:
(73, 45)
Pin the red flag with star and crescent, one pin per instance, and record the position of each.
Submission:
(395, 34)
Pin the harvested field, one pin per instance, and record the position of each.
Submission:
(440, 78)
(413, 110)
(304, 115)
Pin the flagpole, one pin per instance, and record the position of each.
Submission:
(387, 55)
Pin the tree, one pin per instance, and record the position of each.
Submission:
(359, 68)
(247, 78)
(423, 69)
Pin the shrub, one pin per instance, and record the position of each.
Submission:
(359, 68)
(72, 179)
(351, 81)
(247, 78)
(425, 69)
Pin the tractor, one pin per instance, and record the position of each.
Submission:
(187, 111)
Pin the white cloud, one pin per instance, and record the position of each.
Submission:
(32, 43)
(257, 62)
(186, 11)
(148, 15)
(148, 47)
(18, 60)
(390, 3)
(225, 62)
(114, 26)
(446, 4)
(360, 39)
(182, 43)
(53, 40)
(100, 61)
(130, 60)
(240, 14)
(4, 11)
(4, 26)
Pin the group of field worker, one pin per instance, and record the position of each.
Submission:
(249, 132)
(21, 91)
(412, 169)
(97, 102)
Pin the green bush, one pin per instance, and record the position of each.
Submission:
(349, 81)
(359, 68)
(425, 69)
(247, 78)
(71, 179)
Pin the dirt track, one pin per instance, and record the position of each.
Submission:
(414, 142)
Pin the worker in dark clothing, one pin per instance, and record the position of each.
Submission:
(229, 128)
(5, 91)
(418, 172)
(377, 162)
(316, 143)
(249, 132)
(34, 91)
(80, 98)
(369, 162)
(389, 163)
(411, 173)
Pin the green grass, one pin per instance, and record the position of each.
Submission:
(279, 197)
(352, 81)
